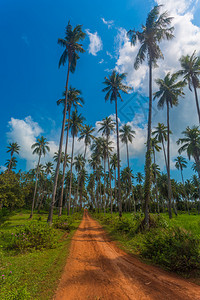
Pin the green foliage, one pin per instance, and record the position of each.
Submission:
(12, 190)
(174, 248)
(35, 235)
(63, 222)
(18, 294)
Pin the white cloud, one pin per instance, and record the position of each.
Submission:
(25, 133)
(101, 61)
(108, 23)
(95, 42)
(109, 54)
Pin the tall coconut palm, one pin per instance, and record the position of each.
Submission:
(86, 134)
(12, 148)
(70, 55)
(107, 127)
(75, 126)
(191, 144)
(74, 99)
(56, 155)
(40, 148)
(160, 133)
(48, 168)
(126, 135)
(191, 72)
(113, 88)
(181, 164)
(169, 91)
(79, 163)
(153, 32)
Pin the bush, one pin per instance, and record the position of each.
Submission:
(64, 223)
(174, 248)
(32, 236)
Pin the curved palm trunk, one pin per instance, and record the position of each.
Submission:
(35, 190)
(118, 162)
(147, 184)
(70, 184)
(50, 216)
(197, 102)
(168, 164)
(64, 167)
(164, 153)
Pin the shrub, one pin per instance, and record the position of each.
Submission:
(19, 294)
(64, 223)
(174, 248)
(33, 236)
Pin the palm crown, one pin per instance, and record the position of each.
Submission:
(126, 134)
(71, 45)
(41, 146)
(155, 29)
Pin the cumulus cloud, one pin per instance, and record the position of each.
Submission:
(108, 23)
(95, 42)
(25, 133)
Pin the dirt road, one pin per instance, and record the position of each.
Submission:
(96, 269)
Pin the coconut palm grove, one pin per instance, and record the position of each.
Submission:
(100, 152)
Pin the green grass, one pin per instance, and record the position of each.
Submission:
(36, 272)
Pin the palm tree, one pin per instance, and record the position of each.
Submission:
(79, 163)
(48, 168)
(56, 155)
(12, 148)
(191, 144)
(86, 134)
(11, 163)
(153, 32)
(113, 87)
(169, 91)
(107, 127)
(40, 148)
(126, 135)
(75, 126)
(160, 134)
(190, 72)
(70, 54)
(181, 164)
(74, 99)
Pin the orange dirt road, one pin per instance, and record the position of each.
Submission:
(97, 269)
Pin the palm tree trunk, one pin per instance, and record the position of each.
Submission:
(147, 184)
(50, 216)
(168, 164)
(165, 157)
(127, 154)
(118, 162)
(110, 185)
(64, 167)
(33, 202)
(70, 184)
(104, 189)
(116, 202)
(156, 186)
(85, 151)
(197, 102)
(9, 166)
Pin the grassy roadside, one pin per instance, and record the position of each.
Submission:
(160, 240)
(34, 274)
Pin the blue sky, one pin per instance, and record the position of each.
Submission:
(31, 81)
